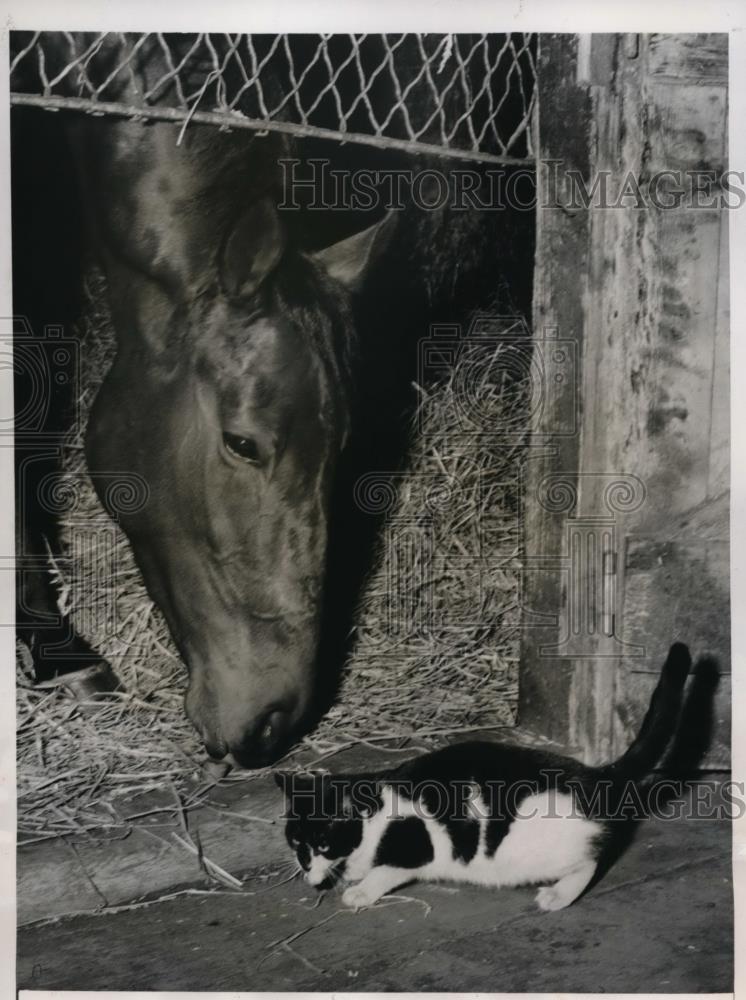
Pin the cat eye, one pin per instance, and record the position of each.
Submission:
(244, 448)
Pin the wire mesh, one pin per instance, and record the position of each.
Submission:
(460, 95)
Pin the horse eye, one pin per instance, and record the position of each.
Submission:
(244, 448)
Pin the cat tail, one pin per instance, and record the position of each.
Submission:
(661, 719)
(691, 741)
(694, 733)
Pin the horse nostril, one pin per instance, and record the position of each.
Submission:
(273, 727)
(261, 745)
(215, 748)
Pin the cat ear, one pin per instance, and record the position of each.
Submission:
(289, 781)
(283, 780)
(350, 259)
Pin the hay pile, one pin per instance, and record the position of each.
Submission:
(436, 639)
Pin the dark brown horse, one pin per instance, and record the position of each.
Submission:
(232, 389)
(230, 398)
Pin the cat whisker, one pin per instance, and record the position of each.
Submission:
(293, 875)
(285, 869)
(336, 878)
(282, 881)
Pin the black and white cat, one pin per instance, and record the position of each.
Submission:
(487, 813)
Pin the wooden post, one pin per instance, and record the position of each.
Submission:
(564, 115)
(626, 521)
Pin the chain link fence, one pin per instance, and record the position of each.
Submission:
(466, 96)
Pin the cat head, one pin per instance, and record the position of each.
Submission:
(324, 818)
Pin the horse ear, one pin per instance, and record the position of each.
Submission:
(348, 260)
(252, 250)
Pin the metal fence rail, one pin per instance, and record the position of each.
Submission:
(469, 96)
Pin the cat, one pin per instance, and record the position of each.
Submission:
(487, 813)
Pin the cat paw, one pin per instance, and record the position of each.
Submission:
(548, 898)
(357, 896)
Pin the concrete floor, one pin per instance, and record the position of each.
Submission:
(660, 921)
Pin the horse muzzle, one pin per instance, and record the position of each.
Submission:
(255, 738)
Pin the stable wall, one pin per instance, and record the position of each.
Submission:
(627, 503)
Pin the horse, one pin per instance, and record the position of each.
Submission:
(231, 398)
